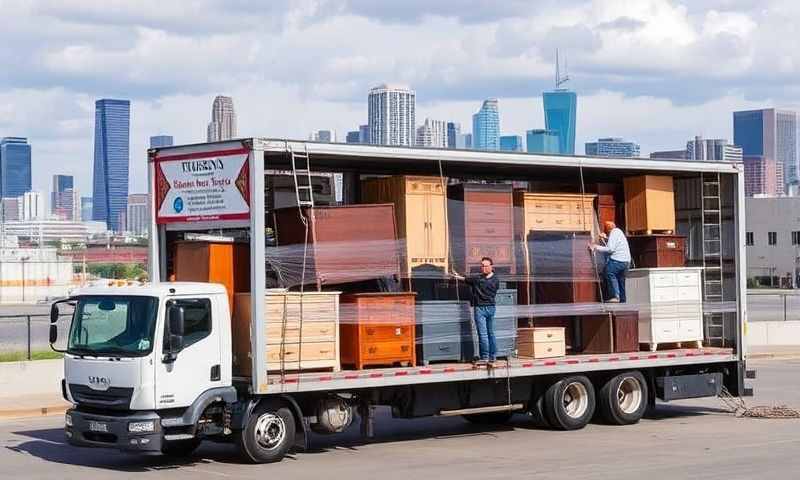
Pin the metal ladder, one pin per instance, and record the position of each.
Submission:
(301, 172)
(711, 212)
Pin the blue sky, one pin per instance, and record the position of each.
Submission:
(654, 71)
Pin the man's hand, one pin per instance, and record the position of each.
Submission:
(592, 247)
(603, 236)
(455, 274)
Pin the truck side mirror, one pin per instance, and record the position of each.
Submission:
(53, 333)
(174, 331)
(54, 313)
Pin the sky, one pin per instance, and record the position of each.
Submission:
(657, 72)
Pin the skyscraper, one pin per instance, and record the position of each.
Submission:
(768, 139)
(392, 117)
(669, 154)
(511, 143)
(612, 147)
(433, 133)
(62, 203)
(15, 167)
(363, 134)
(542, 141)
(325, 136)
(137, 218)
(486, 126)
(223, 120)
(111, 161)
(161, 141)
(453, 131)
(86, 209)
(560, 109)
(353, 137)
(712, 149)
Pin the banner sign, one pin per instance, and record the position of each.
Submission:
(202, 186)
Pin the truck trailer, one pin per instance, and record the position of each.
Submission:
(264, 321)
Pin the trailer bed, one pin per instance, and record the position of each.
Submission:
(516, 367)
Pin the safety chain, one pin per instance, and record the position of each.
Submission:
(737, 406)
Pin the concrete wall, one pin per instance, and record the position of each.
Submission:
(31, 378)
(773, 333)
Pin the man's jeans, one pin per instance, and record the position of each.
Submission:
(615, 278)
(484, 323)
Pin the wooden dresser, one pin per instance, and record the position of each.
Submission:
(545, 342)
(345, 244)
(613, 332)
(227, 263)
(294, 341)
(480, 220)
(377, 329)
(553, 212)
(649, 204)
(421, 209)
(670, 304)
(652, 251)
(444, 332)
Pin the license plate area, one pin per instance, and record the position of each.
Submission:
(100, 427)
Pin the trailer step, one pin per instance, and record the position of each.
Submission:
(470, 411)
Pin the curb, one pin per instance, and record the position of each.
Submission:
(34, 412)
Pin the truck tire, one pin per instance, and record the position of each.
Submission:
(180, 448)
(623, 398)
(268, 433)
(569, 403)
(492, 418)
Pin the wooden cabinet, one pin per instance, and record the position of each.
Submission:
(649, 204)
(554, 212)
(651, 251)
(421, 208)
(301, 331)
(227, 263)
(480, 220)
(377, 329)
(670, 304)
(541, 342)
(613, 332)
(345, 244)
(444, 332)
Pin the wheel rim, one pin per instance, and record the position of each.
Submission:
(575, 400)
(629, 395)
(270, 431)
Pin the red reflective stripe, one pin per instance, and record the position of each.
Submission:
(350, 377)
(573, 362)
(449, 369)
(425, 371)
(652, 357)
(550, 363)
(325, 379)
(613, 359)
(290, 380)
(633, 357)
(400, 374)
(594, 360)
(527, 365)
(671, 355)
(375, 375)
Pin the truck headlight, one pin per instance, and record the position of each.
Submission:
(142, 427)
(68, 419)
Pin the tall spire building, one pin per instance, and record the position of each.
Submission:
(223, 120)
(560, 109)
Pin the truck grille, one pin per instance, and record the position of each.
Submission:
(115, 398)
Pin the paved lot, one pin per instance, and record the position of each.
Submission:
(691, 439)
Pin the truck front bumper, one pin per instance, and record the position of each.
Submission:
(94, 430)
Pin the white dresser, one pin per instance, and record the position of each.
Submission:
(670, 304)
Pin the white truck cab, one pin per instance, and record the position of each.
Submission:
(143, 364)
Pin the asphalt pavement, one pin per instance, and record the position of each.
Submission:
(689, 439)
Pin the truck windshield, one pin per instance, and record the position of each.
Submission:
(120, 326)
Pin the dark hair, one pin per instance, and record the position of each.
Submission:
(489, 259)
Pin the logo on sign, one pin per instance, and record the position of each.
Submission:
(178, 205)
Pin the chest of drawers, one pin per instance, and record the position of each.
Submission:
(652, 251)
(670, 304)
(613, 332)
(649, 203)
(444, 331)
(545, 342)
(378, 329)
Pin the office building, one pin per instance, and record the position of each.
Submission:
(223, 120)
(353, 137)
(363, 134)
(392, 115)
(40, 231)
(669, 155)
(111, 161)
(612, 147)
(137, 217)
(772, 239)
(433, 133)
(161, 141)
(712, 149)
(486, 126)
(560, 108)
(511, 143)
(542, 141)
(15, 166)
(324, 136)
(86, 209)
(32, 204)
(9, 209)
(453, 131)
(62, 204)
(768, 139)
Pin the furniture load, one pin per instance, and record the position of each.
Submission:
(227, 263)
(377, 329)
(670, 304)
(649, 204)
(537, 342)
(652, 251)
(614, 332)
(444, 332)
(302, 331)
(554, 212)
(480, 220)
(421, 210)
(610, 208)
(345, 244)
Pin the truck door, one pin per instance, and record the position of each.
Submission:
(198, 366)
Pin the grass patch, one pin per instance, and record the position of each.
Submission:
(35, 355)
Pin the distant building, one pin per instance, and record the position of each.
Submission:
(453, 131)
(86, 209)
(560, 109)
(467, 141)
(161, 141)
(363, 134)
(772, 239)
(542, 141)
(486, 126)
(669, 155)
(137, 218)
(15, 166)
(392, 115)
(768, 139)
(612, 147)
(324, 136)
(111, 160)
(433, 133)
(223, 120)
(32, 204)
(712, 149)
(511, 143)
(40, 232)
(353, 137)
(62, 198)
(10, 209)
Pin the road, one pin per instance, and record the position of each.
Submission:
(689, 439)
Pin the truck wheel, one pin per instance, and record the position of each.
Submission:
(491, 418)
(569, 403)
(268, 434)
(623, 399)
(180, 448)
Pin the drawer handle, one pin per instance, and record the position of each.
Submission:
(398, 331)
(324, 351)
(404, 348)
(370, 331)
(549, 335)
(444, 348)
(549, 349)
(372, 350)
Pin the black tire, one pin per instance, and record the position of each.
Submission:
(180, 448)
(569, 403)
(491, 418)
(268, 434)
(623, 399)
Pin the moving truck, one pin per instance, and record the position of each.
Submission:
(221, 345)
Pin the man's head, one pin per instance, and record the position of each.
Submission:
(486, 265)
(608, 226)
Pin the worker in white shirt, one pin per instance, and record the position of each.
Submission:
(618, 262)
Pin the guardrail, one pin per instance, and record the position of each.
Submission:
(780, 305)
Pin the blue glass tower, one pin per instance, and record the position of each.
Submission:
(161, 141)
(111, 161)
(560, 108)
(486, 126)
(542, 141)
(15, 167)
(511, 143)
